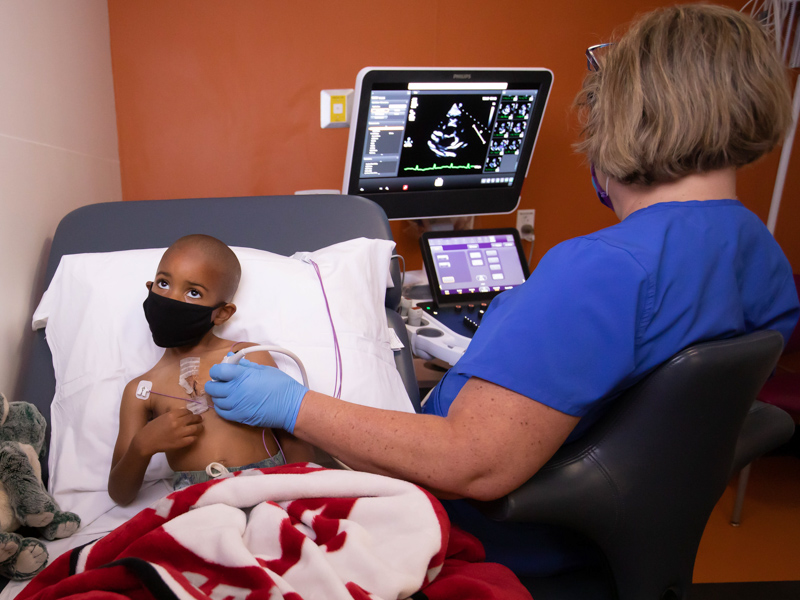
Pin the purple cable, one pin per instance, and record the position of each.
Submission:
(337, 392)
(264, 440)
(176, 398)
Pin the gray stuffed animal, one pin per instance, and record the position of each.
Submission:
(23, 498)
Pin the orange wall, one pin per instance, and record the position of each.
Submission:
(221, 97)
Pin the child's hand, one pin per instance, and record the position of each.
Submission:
(175, 429)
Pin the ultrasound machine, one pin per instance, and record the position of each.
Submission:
(437, 142)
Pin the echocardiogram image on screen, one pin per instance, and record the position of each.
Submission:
(447, 134)
(433, 138)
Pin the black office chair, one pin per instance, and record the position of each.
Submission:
(766, 427)
(643, 481)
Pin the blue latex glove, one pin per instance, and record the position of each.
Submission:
(256, 395)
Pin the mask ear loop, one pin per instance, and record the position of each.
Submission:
(602, 194)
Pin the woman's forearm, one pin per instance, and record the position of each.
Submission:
(490, 443)
(402, 445)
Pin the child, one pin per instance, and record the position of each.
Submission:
(196, 280)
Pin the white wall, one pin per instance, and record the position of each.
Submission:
(58, 144)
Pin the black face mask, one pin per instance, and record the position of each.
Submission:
(174, 323)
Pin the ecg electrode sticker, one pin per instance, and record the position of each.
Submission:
(143, 389)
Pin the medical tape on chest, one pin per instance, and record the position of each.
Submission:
(189, 368)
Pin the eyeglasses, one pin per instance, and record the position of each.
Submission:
(592, 53)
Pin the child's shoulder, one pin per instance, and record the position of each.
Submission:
(260, 357)
(159, 371)
(226, 346)
(235, 346)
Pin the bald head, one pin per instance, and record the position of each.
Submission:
(216, 256)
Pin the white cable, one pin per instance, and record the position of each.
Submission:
(402, 269)
(788, 31)
(783, 166)
(234, 359)
(780, 19)
(530, 252)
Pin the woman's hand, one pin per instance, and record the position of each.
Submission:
(255, 395)
(175, 429)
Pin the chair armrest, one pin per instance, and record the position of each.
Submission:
(561, 487)
(558, 493)
(765, 428)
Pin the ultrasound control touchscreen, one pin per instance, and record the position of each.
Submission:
(472, 265)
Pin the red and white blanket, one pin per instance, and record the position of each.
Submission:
(294, 532)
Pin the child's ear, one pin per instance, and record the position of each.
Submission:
(223, 313)
(149, 285)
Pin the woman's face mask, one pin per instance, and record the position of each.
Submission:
(601, 193)
(174, 323)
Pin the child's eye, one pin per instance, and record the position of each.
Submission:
(194, 294)
(162, 285)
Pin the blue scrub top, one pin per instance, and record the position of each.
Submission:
(601, 311)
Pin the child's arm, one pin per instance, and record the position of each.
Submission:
(140, 438)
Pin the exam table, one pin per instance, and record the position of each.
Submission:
(278, 224)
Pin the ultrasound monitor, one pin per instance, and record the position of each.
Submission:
(432, 142)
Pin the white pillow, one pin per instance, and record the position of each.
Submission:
(99, 340)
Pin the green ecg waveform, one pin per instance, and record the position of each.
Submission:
(436, 167)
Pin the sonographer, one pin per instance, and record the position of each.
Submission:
(670, 112)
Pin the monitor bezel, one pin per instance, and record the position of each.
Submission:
(453, 202)
(441, 299)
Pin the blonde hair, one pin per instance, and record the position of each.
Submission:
(688, 89)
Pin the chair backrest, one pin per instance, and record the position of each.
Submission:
(643, 481)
